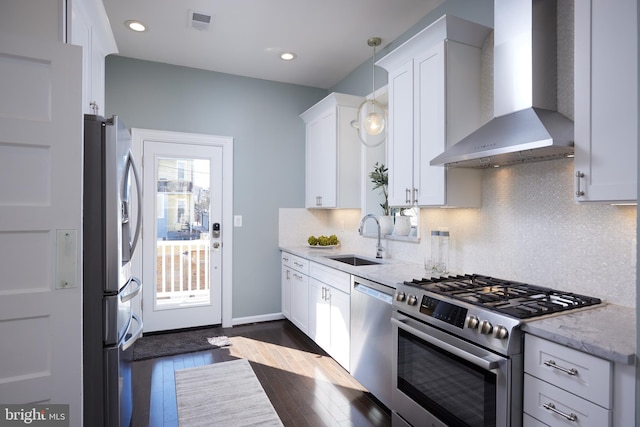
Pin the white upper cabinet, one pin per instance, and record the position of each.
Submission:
(434, 101)
(333, 153)
(90, 29)
(606, 101)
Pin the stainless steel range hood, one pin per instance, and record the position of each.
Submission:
(526, 126)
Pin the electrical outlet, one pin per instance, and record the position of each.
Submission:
(237, 220)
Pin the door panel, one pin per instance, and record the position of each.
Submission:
(40, 212)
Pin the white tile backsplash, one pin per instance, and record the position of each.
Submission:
(528, 229)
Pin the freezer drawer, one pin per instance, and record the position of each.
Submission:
(117, 375)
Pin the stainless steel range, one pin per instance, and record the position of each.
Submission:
(458, 348)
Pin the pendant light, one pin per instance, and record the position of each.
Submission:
(372, 116)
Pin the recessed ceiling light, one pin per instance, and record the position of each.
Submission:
(287, 56)
(135, 26)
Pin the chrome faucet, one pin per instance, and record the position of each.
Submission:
(379, 247)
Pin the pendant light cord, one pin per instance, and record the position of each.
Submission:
(373, 71)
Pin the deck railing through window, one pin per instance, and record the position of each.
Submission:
(182, 275)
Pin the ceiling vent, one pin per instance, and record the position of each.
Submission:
(199, 21)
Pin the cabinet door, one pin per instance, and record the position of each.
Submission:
(300, 301)
(321, 162)
(286, 291)
(90, 29)
(340, 326)
(400, 136)
(429, 126)
(606, 100)
(319, 314)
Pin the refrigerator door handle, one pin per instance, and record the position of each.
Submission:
(131, 166)
(126, 343)
(130, 295)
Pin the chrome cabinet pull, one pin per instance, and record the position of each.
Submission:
(298, 264)
(579, 176)
(415, 196)
(297, 276)
(407, 195)
(552, 364)
(551, 407)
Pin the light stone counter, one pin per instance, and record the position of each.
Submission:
(389, 272)
(608, 332)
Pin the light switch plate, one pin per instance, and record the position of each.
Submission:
(237, 220)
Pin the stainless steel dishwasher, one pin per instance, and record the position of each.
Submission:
(371, 340)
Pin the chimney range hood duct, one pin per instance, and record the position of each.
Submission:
(526, 126)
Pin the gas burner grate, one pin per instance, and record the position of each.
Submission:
(519, 300)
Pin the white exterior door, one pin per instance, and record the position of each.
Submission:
(41, 223)
(183, 234)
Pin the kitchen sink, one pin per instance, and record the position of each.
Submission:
(354, 260)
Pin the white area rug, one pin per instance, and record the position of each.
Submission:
(223, 394)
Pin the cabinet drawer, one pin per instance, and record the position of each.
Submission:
(538, 393)
(591, 376)
(332, 277)
(295, 262)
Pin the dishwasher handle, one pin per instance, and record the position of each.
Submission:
(376, 290)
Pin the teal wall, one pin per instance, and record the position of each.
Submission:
(263, 119)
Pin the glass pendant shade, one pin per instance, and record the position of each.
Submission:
(371, 123)
(372, 116)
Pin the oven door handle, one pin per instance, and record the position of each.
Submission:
(479, 361)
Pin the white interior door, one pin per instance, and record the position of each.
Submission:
(182, 235)
(40, 223)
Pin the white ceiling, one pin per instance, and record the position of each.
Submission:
(246, 36)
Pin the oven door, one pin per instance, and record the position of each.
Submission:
(441, 380)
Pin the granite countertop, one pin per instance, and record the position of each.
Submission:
(607, 331)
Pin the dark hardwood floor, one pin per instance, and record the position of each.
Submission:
(304, 384)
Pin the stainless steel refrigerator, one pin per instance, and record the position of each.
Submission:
(110, 235)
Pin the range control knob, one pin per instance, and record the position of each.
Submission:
(412, 300)
(400, 296)
(485, 327)
(472, 322)
(500, 332)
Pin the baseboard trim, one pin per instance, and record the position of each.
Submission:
(256, 319)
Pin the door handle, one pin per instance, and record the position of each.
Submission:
(131, 164)
(126, 343)
(131, 295)
(579, 176)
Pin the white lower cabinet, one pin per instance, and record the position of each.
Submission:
(295, 290)
(563, 386)
(554, 406)
(330, 311)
